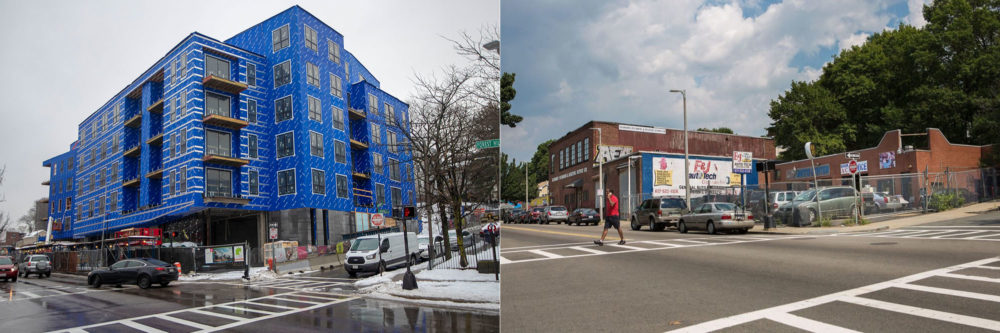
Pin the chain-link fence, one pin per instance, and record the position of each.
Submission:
(192, 259)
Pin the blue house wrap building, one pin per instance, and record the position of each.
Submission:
(278, 126)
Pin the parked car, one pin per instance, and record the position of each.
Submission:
(874, 202)
(658, 213)
(583, 215)
(467, 239)
(423, 243)
(8, 270)
(144, 272)
(802, 210)
(775, 200)
(364, 254)
(557, 214)
(521, 217)
(510, 216)
(36, 264)
(715, 216)
(536, 215)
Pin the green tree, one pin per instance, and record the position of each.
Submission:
(538, 168)
(513, 179)
(725, 130)
(507, 93)
(808, 113)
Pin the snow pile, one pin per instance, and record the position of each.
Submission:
(439, 287)
(256, 274)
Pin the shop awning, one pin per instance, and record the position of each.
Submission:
(577, 184)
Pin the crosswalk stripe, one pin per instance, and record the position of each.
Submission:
(806, 323)
(581, 248)
(688, 240)
(960, 232)
(971, 277)
(926, 313)
(628, 247)
(284, 297)
(27, 294)
(545, 254)
(664, 244)
(272, 305)
(140, 327)
(952, 292)
(984, 236)
(244, 309)
(504, 260)
(184, 322)
(933, 233)
(210, 313)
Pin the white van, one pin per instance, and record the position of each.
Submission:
(364, 253)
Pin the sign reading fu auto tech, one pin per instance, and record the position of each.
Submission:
(742, 162)
(668, 174)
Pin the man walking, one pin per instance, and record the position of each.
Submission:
(611, 219)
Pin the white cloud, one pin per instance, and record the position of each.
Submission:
(916, 17)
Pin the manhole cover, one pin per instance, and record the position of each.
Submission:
(883, 243)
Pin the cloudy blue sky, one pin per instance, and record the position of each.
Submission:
(64, 59)
(616, 60)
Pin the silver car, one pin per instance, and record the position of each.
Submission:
(423, 242)
(36, 264)
(559, 214)
(715, 216)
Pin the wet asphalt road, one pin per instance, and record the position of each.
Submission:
(313, 302)
(939, 277)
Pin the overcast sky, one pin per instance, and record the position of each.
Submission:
(584, 60)
(64, 59)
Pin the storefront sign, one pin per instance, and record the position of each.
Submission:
(607, 153)
(735, 179)
(821, 170)
(742, 162)
(570, 174)
(642, 129)
(887, 160)
(704, 173)
(862, 168)
(663, 177)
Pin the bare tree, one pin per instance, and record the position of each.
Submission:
(4, 216)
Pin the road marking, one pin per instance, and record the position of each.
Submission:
(953, 234)
(952, 292)
(689, 241)
(552, 232)
(926, 313)
(960, 233)
(852, 297)
(272, 305)
(27, 294)
(971, 277)
(662, 243)
(284, 297)
(546, 255)
(247, 321)
(932, 233)
(140, 327)
(182, 322)
(210, 313)
(984, 236)
(628, 247)
(581, 248)
(806, 323)
(504, 260)
(244, 309)
(954, 226)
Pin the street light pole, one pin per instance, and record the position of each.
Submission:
(525, 185)
(629, 181)
(600, 172)
(687, 174)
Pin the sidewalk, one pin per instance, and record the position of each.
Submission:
(449, 288)
(896, 223)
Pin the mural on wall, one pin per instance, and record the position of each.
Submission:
(607, 153)
(668, 175)
(887, 160)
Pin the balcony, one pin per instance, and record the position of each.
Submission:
(358, 144)
(135, 121)
(223, 156)
(219, 83)
(132, 152)
(156, 139)
(356, 114)
(155, 174)
(223, 121)
(45, 183)
(363, 198)
(130, 182)
(157, 107)
(225, 198)
(362, 175)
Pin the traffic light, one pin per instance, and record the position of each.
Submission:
(173, 234)
(409, 212)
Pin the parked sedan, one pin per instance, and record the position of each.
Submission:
(423, 242)
(584, 215)
(536, 215)
(144, 272)
(715, 216)
(8, 270)
(36, 264)
(875, 202)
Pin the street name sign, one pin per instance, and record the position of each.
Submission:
(853, 156)
(488, 144)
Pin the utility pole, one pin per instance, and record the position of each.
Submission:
(687, 174)
(600, 172)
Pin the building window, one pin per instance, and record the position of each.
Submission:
(312, 74)
(252, 143)
(315, 144)
(311, 38)
(218, 182)
(170, 180)
(377, 163)
(216, 104)
(586, 149)
(333, 51)
(217, 143)
(114, 145)
(183, 143)
(285, 145)
(572, 155)
(279, 38)
(315, 111)
(251, 75)
(394, 169)
(283, 73)
(340, 151)
(114, 175)
(341, 186)
(335, 86)
(286, 182)
(390, 114)
(251, 111)
(379, 195)
(372, 104)
(181, 101)
(338, 117)
(183, 185)
(254, 182)
(376, 134)
(319, 181)
(114, 202)
(283, 109)
(215, 66)
(397, 197)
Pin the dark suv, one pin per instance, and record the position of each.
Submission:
(658, 213)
